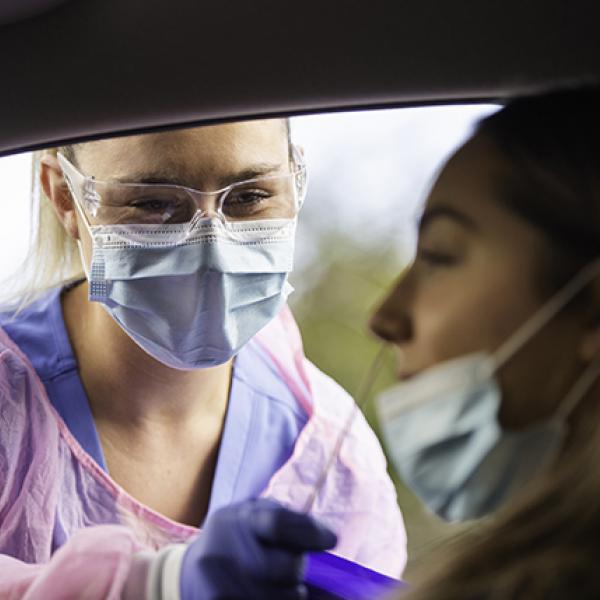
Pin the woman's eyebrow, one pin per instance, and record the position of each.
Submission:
(258, 170)
(150, 176)
(447, 212)
(172, 178)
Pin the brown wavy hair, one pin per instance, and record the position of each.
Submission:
(546, 544)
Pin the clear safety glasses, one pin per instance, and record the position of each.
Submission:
(271, 197)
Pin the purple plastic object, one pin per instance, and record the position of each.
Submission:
(330, 577)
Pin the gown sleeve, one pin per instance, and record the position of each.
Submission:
(97, 563)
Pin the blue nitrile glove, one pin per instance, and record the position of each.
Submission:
(252, 550)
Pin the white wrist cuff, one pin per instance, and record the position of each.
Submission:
(164, 573)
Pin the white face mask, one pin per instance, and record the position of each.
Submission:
(194, 304)
(442, 432)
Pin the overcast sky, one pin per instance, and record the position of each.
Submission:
(368, 172)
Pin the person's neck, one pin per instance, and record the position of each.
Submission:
(126, 386)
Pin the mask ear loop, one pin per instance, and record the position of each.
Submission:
(579, 389)
(547, 312)
(86, 271)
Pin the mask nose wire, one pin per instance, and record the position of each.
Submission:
(547, 312)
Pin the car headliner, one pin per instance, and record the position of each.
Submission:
(87, 68)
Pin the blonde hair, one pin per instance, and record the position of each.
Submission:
(52, 258)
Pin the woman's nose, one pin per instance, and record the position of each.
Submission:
(390, 321)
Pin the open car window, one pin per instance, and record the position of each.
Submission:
(368, 173)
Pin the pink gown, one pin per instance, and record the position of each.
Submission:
(44, 472)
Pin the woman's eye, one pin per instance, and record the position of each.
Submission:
(435, 257)
(152, 205)
(247, 197)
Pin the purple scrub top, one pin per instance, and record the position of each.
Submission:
(262, 423)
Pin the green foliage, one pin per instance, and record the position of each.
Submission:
(333, 312)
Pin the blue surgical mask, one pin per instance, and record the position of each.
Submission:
(192, 302)
(442, 432)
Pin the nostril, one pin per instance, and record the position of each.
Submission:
(384, 333)
(392, 329)
(380, 326)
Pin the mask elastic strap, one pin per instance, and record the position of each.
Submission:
(547, 312)
(79, 244)
(82, 258)
(579, 389)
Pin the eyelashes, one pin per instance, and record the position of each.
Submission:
(435, 257)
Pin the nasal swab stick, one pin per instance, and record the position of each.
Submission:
(362, 395)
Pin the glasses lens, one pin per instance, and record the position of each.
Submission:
(268, 198)
(142, 205)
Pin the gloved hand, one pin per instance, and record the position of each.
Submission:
(252, 550)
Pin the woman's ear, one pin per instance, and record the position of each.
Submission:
(56, 190)
(589, 348)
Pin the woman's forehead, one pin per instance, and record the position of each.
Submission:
(199, 150)
(471, 180)
(471, 189)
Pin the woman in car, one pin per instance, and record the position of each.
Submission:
(497, 328)
(168, 383)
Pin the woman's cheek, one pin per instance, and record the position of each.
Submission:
(458, 318)
(447, 333)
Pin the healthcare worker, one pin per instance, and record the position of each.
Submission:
(153, 381)
(497, 331)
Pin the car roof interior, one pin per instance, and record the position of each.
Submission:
(78, 69)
